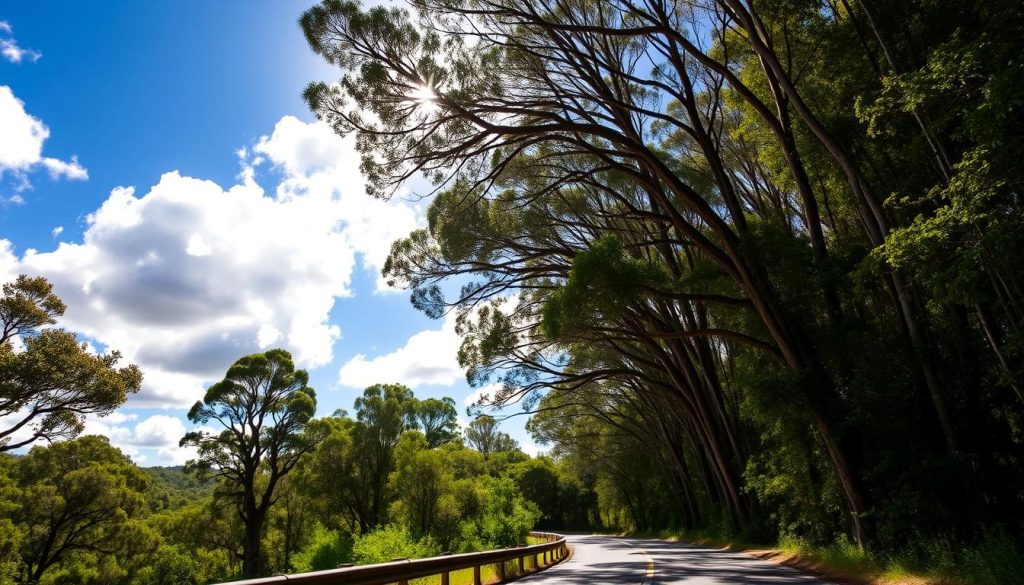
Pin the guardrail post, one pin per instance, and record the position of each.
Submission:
(444, 578)
(522, 566)
(501, 572)
(476, 575)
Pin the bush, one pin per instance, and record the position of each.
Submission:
(390, 543)
(326, 550)
(508, 517)
(995, 560)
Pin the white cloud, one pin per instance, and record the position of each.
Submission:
(70, 170)
(9, 46)
(158, 431)
(183, 278)
(428, 357)
(8, 261)
(190, 275)
(21, 145)
(487, 392)
(118, 417)
(158, 434)
(314, 160)
(57, 231)
(530, 448)
(197, 246)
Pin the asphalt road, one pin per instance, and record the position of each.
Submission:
(609, 560)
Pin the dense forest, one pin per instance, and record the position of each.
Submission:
(759, 263)
(397, 480)
(755, 269)
(272, 489)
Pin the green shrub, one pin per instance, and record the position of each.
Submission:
(326, 550)
(390, 543)
(995, 560)
(508, 517)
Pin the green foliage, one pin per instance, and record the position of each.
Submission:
(263, 405)
(392, 542)
(507, 517)
(327, 549)
(438, 420)
(419, 482)
(49, 386)
(602, 281)
(483, 435)
(76, 504)
(537, 479)
(169, 565)
(996, 559)
(172, 488)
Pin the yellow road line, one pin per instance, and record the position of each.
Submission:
(650, 570)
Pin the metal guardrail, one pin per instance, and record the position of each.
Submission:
(400, 572)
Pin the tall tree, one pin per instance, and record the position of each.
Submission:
(263, 405)
(48, 385)
(383, 413)
(709, 250)
(438, 420)
(483, 435)
(77, 497)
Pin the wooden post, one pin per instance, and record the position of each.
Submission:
(522, 567)
(444, 578)
(476, 575)
(501, 572)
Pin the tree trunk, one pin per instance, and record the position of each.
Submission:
(252, 555)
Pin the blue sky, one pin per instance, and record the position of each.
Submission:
(158, 165)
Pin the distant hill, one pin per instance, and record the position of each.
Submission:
(173, 488)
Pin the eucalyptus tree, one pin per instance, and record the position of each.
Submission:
(658, 183)
(383, 413)
(528, 87)
(261, 412)
(50, 382)
(437, 419)
(483, 435)
(75, 499)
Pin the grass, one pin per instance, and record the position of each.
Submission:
(994, 560)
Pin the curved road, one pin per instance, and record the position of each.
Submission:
(610, 560)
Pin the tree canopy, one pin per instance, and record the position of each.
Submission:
(49, 380)
(263, 407)
(774, 241)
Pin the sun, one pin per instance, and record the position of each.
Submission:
(425, 97)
